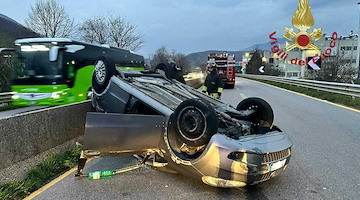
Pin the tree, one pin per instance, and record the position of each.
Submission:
(181, 60)
(271, 70)
(162, 55)
(123, 34)
(337, 68)
(201, 65)
(111, 30)
(6, 70)
(254, 64)
(94, 30)
(49, 19)
(6, 41)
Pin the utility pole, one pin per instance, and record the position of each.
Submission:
(358, 47)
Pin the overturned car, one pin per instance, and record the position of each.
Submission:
(172, 125)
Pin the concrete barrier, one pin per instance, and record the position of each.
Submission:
(29, 134)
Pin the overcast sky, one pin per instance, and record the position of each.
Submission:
(197, 25)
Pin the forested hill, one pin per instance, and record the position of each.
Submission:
(10, 30)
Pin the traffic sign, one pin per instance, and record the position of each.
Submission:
(243, 69)
(261, 69)
(314, 62)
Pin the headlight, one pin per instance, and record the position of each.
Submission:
(15, 96)
(55, 95)
(243, 160)
(238, 156)
(218, 182)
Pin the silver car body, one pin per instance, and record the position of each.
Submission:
(223, 162)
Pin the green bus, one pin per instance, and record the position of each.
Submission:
(57, 71)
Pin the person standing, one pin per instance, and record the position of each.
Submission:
(213, 85)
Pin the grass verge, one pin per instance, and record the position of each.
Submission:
(332, 97)
(52, 167)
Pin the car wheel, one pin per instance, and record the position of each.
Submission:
(166, 69)
(104, 69)
(264, 115)
(195, 122)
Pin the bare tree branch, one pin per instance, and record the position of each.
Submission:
(163, 56)
(112, 30)
(49, 19)
(95, 30)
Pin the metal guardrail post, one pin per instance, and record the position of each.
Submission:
(5, 97)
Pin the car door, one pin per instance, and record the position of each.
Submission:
(116, 134)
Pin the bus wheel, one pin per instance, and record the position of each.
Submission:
(103, 71)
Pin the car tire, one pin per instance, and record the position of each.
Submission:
(104, 69)
(195, 122)
(167, 69)
(264, 116)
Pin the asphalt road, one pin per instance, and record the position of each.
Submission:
(325, 163)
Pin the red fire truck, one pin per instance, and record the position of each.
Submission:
(225, 67)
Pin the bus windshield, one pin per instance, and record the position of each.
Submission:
(33, 64)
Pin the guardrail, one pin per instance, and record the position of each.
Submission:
(338, 88)
(5, 97)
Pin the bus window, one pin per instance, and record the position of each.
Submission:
(66, 79)
(70, 69)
